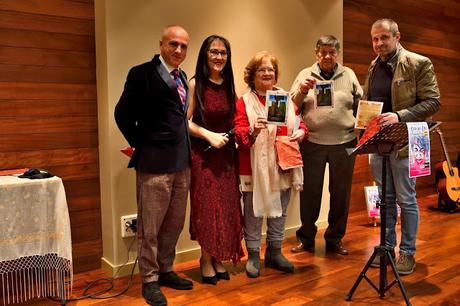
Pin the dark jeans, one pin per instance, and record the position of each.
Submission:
(341, 166)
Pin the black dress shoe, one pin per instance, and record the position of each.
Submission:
(220, 275)
(303, 248)
(223, 275)
(212, 280)
(172, 280)
(153, 295)
(336, 248)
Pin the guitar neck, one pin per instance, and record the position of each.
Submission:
(444, 148)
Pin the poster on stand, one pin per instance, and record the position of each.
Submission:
(419, 149)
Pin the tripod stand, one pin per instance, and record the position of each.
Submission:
(389, 139)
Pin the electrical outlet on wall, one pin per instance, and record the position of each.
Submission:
(128, 226)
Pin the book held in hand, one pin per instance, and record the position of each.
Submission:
(371, 129)
(276, 106)
(128, 151)
(324, 94)
(367, 110)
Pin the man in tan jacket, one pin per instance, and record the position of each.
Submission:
(406, 83)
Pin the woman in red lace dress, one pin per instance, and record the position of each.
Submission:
(215, 218)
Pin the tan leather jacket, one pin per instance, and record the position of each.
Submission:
(414, 90)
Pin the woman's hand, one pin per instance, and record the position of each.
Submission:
(217, 140)
(260, 124)
(297, 135)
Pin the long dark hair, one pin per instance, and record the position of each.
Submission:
(202, 74)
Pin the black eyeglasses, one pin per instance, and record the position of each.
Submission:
(215, 53)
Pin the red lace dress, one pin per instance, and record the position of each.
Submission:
(215, 217)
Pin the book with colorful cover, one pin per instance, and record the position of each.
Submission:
(128, 151)
(371, 129)
(276, 107)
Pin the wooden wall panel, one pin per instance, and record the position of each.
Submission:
(41, 141)
(61, 8)
(46, 57)
(52, 91)
(46, 74)
(72, 108)
(48, 125)
(48, 107)
(45, 40)
(44, 23)
(429, 28)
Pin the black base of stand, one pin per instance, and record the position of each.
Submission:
(382, 250)
(385, 256)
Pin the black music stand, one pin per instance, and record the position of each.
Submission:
(390, 138)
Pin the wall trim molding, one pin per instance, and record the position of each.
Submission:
(182, 256)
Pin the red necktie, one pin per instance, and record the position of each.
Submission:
(180, 86)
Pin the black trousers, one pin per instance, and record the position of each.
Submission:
(341, 166)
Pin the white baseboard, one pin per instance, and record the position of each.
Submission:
(182, 256)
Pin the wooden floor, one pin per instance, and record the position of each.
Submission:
(320, 278)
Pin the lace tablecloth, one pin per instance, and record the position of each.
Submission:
(35, 241)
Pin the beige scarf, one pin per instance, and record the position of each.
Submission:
(267, 178)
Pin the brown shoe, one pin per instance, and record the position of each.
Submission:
(405, 264)
(303, 248)
(376, 262)
(337, 248)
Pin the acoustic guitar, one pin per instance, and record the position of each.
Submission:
(447, 179)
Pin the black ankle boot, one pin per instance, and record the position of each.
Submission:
(253, 264)
(275, 259)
